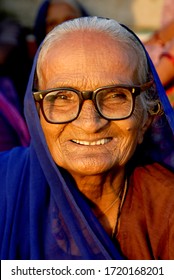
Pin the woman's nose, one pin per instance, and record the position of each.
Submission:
(89, 119)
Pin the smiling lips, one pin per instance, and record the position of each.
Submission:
(92, 143)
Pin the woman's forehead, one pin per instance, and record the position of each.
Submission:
(86, 67)
(89, 40)
(90, 53)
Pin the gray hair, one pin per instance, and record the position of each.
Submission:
(117, 32)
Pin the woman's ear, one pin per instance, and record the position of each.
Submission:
(144, 128)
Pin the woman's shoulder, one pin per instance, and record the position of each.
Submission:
(147, 214)
(154, 174)
(153, 184)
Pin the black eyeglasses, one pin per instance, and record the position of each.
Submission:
(114, 102)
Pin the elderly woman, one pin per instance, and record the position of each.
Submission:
(97, 180)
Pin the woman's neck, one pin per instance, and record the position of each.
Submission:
(104, 194)
(100, 186)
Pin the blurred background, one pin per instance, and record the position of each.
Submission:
(142, 16)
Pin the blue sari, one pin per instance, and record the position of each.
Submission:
(43, 215)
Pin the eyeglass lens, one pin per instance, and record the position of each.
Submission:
(63, 105)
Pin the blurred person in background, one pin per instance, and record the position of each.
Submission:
(14, 60)
(54, 12)
(14, 71)
(160, 47)
(13, 128)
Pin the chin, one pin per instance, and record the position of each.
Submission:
(86, 173)
(89, 170)
(87, 165)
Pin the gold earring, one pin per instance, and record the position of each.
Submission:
(157, 110)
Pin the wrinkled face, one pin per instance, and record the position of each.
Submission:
(91, 144)
(58, 13)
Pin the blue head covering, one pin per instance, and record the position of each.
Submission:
(43, 215)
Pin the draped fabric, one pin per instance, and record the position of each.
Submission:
(146, 222)
(43, 215)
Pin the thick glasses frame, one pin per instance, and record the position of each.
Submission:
(135, 90)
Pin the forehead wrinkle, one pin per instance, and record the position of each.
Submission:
(89, 83)
(80, 82)
(81, 70)
(86, 82)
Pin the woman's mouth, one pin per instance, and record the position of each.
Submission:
(92, 143)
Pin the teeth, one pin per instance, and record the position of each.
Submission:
(93, 143)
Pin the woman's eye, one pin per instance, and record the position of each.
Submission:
(119, 95)
(52, 97)
(61, 96)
